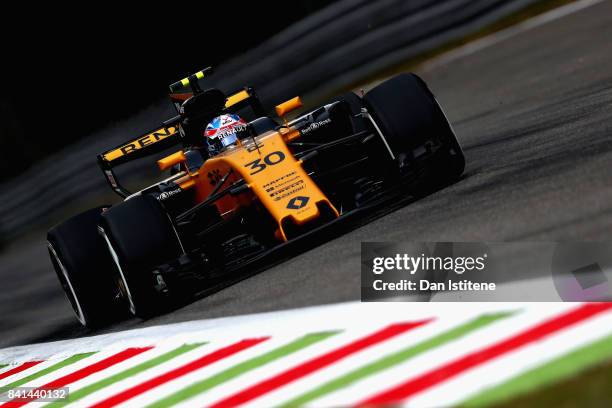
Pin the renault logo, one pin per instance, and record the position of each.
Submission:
(297, 202)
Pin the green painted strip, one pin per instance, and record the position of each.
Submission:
(90, 389)
(50, 369)
(2, 366)
(394, 359)
(556, 370)
(241, 368)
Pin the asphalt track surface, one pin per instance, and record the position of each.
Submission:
(534, 115)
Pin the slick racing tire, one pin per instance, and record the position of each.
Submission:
(140, 236)
(85, 269)
(408, 116)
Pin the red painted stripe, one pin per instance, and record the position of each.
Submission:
(441, 374)
(85, 371)
(180, 371)
(315, 364)
(18, 369)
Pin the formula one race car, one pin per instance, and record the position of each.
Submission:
(237, 189)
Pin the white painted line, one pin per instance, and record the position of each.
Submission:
(508, 33)
(267, 371)
(70, 368)
(305, 320)
(502, 369)
(353, 362)
(29, 371)
(437, 357)
(146, 375)
(157, 351)
(353, 321)
(282, 365)
(207, 372)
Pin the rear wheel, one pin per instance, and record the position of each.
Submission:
(140, 236)
(411, 121)
(85, 269)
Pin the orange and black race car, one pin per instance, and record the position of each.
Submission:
(237, 190)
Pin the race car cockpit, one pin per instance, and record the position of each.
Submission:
(196, 110)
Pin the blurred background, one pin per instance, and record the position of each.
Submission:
(68, 77)
(74, 87)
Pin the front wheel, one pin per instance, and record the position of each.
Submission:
(85, 269)
(140, 236)
(413, 125)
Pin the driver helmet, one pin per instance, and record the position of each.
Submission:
(224, 131)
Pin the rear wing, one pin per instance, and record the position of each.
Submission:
(148, 144)
(164, 137)
(240, 99)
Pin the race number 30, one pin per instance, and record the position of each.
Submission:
(260, 165)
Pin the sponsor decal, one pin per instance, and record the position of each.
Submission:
(141, 143)
(167, 194)
(288, 190)
(298, 202)
(279, 181)
(315, 126)
(291, 182)
(224, 126)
